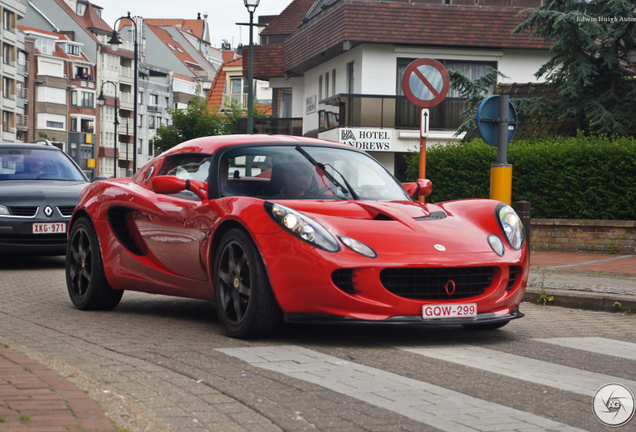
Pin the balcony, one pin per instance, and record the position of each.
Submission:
(350, 110)
(126, 98)
(125, 126)
(23, 93)
(22, 121)
(122, 151)
(154, 108)
(9, 68)
(125, 45)
(155, 86)
(236, 98)
(126, 72)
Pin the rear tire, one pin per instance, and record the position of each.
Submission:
(243, 297)
(485, 326)
(85, 279)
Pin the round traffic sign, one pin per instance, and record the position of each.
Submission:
(425, 82)
(488, 118)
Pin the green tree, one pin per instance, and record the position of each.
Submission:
(198, 120)
(590, 41)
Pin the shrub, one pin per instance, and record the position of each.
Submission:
(583, 177)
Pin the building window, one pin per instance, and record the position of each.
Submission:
(73, 124)
(140, 120)
(6, 53)
(74, 98)
(150, 149)
(167, 102)
(53, 124)
(327, 85)
(87, 99)
(350, 75)
(154, 100)
(73, 50)
(6, 87)
(151, 122)
(282, 103)
(333, 82)
(87, 125)
(320, 88)
(140, 144)
(159, 121)
(45, 45)
(5, 121)
(140, 98)
(7, 20)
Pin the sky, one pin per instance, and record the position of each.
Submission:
(222, 14)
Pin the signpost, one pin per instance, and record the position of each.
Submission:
(498, 129)
(425, 84)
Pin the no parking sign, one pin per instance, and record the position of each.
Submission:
(425, 82)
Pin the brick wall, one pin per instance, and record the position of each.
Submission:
(571, 235)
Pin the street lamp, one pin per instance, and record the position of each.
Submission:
(251, 6)
(101, 99)
(114, 43)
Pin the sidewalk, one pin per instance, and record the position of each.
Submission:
(34, 398)
(584, 281)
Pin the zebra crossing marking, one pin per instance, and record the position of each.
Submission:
(598, 345)
(436, 406)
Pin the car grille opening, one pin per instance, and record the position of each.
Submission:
(343, 279)
(435, 283)
(66, 210)
(34, 239)
(515, 271)
(24, 211)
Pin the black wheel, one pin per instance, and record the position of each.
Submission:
(85, 278)
(485, 326)
(243, 297)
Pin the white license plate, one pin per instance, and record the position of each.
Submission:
(49, 228)
(449, 310)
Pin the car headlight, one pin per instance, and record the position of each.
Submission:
(358, 246)
(510, 225)
(303, 227)
(4, 211)
(496, 244)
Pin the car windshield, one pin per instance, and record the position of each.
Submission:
(26, 164)
(306, 172)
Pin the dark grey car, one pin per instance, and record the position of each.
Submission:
(39, 189)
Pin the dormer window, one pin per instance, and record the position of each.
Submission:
(73, 50)
(171, 47)
(179, 49)
(80, 9)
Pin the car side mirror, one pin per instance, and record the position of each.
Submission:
(422, 187)
(172, 185)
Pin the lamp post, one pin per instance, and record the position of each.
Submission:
(101, 99)
(114, 43)
(251, 6)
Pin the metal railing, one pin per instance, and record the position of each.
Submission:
(23, 93)
(236, 98)
(126, 97)
(126, 72)
(122, 151)
(156, 86)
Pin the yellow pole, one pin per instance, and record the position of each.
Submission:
(501, 183)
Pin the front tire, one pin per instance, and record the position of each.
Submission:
(85, 279)
(243, 297)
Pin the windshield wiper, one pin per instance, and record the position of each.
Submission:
(348, 189)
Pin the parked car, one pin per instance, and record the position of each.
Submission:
(275, 228)
(39, 189)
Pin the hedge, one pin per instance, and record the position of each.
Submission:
(583, 177)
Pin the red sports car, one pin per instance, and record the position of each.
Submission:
(281, 228)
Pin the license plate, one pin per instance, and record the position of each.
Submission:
(449, 310)
(49, 228)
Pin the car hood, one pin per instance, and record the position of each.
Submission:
(34, 192)
(398, 227)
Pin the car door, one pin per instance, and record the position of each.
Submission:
(172, 228)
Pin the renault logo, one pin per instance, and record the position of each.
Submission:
(48, 211)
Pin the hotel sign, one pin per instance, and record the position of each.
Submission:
(367, 139)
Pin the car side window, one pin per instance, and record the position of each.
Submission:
(187, 167)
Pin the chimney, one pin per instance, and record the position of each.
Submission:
(198, 15)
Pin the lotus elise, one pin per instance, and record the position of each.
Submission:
(281, 228)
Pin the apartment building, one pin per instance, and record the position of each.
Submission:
(339, 65)
(12, 71)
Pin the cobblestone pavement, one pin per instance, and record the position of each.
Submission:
(163, 364)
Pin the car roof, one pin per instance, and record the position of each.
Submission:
(29, 146)
(212, 143)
